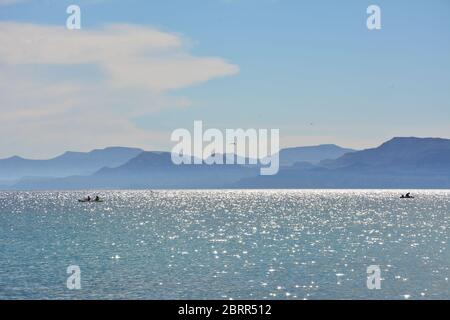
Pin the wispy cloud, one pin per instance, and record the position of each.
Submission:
(129, 55)
(135, 68)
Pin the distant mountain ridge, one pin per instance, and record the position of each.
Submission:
(149, 170)
(402, 162)
(399, 151)
(398, 163)
(312, 154)
(85, 163)
(69, 163)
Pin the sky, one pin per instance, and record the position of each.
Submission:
(137, 70)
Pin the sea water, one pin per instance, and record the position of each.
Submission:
(225, 244)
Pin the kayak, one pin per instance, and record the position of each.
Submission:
(84, 200)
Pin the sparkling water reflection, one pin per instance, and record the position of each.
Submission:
(228, 244)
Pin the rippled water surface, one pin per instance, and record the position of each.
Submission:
(283, 244)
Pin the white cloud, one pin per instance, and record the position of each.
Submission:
(127, 71)
(130, 55)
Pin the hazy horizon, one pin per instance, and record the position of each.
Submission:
(287, 147)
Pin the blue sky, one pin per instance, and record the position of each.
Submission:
(310, 68)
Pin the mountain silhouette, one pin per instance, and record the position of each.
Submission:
(399, 152)
(81, 164)
(69, 163)
(149, 170)
(397, 163)
(312, 154)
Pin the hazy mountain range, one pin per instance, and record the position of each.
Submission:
(67, 164)
(312, 154)
(398, 163)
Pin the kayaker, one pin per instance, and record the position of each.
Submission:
(407, 196)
